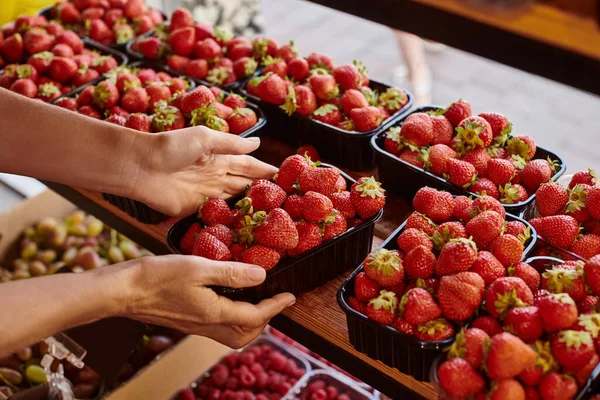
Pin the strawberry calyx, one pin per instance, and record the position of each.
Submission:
(577, 197)
(575, 339)
(259, 48)
(24, 71)
(249, 223)
(436, 113)
(48, 89)
(509, 194)
(430, 328)
(123, 34)
(369, 187)
(545, 360)
(387, 262)
(591, 323)
(392, 99)
(201, 116)
(161, 31)
(222, 34)
(319, 71)
(268, 60)
(554, 164)
(439, 239)
(457, 349)
(421, 284)
(215, 122)
(386, 300)
(100, 61)
(347, 125)
(360, 66)
(469, 242)
(372, 97)
(245, 206)
(164, 116)
(325, 110)
(257, 80)
(250, 66)
(525, 236)
(593, 175)
(467, 137)
(217, 76)
(507, 300)
(516, 146)
(402, 303)
(290, 104)
(101, 95)
(44, 55)
(558, 280)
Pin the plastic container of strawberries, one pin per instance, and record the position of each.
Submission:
(348, 149)
(301, 273)
(388, 345)
(342, 384)
(405, 179)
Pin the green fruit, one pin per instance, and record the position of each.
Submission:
(76, 217)
(52, 268)
(29, 251)
(23, 354)
(77, 229)
(19, 264)
(10, 376)
(35, 374)
(30, 233)
(94, 226)
(20, 275)
(47, 225)
(37, 268)
(46, 256)
(56, 239)
(129, 249)
(69, 256)
(115, 255)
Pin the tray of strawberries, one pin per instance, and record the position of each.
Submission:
(46, 67)
(404, 303)
(544, 349)
(324, 384)
(337, 109)
(110, 22)
(310, 225)
(454, 150)
(212, 56)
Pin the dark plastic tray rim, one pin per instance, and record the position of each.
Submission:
(379, 149)
(342, 302)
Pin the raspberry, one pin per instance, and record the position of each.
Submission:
(262, 379)
(238, 396)
(316, 385)
(275, 396)
(248, 358)
(290, 366)
(232, 383)
(256, 350)
(319, 395)
(266, 349)
(247, 379)
(277, 361)
(274, 382)
(186, 394)
(231, 359)
(248, 395)
(214, 394)
(284, 388)
(343, 397)
(256, 368)
(332, 392)
(261, 397)
(219, 375)
(297, 373)
(228, 395)
(202, 391)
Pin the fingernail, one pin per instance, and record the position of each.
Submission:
(292, 303)
(257, 274)
(253, 139)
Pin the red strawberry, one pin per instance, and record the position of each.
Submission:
(498, 122)
(417, 130)
(104, 64)
(458, 111)
(37, 40)
(310, 152)
(592, 274)
(420, 221)
(357, 305)
(106, 94)
(488, 324)
(412, 157)
(135, 100)
(459, 379)
(151, 48)
(241, 120)
(507, 249)
(182, 41)
(513, 193)
(565, 279)
(437, 205)
(180, 63)
(25, 87)
(275, 66)
(554, 386)
(365, 288)
(100, 32)
(535, 173)
(442, 130)
(479, 158)
(210, 247)
(290, 170)
(71, 39)
(348, 77)
(84, 75)
(62, 69)
(434, 331)
(68, 103)
(315, 206)
(393, 99)
(67, 13)
(40, 61)
(12, 48)
(506, 293)
(470, 344)
(265, 195)
(293, 206)
(385, 267)
(592, 201)
(558, 230)
(367, 197)
(524, 322)
(342, 202)
(383, 308)
(234, 101)
(309, 236)
(461, 173)
(507, 389)
(527, 273)
(142, 24)
(460, 295)
(420, 262)
(324, 86)
(517, 229)
(586, 246)
(272, 90)
(456, 256)
(412, 238)
(261, 255)
(221, 232)
(298, 69)
(461, 207)
(587, 304)
(181, 18)
(418, 307)
(239, 49)
(89, 111)
(472, 133)
(488, 267)
(551, 198)
(438, 157)
(447, 231)
(352, 99)
(197, 69)
(483, 203)
(558, 311)
(277, 230)
(48, 91)
(328, 114)
(584, 373)
(300, 99)
(186, 245)
(500, 171)
(215, 211)
(92, 13)
(544, 363)
(584, 178)
(572, 349)
(195, 99)
(320, 180)
(403, 326)
(139, 122)
(521, 145)
(484, 186)
(508, 356)
(127, 80)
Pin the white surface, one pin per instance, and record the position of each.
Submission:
(28, 187)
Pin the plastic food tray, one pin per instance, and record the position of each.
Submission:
(343, 384)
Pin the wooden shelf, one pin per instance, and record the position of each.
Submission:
(315, 320)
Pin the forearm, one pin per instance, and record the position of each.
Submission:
(34, 309)
(50, 143)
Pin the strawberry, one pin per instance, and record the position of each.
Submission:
(587, 304)
(524, 322)
(241, 120)
(458, 111)
(551, 198)
(37, 40)
(298, 69)
(385, 267)
(443, 131)
(106, 94)
(141, 25)
(40, 61)
(89, 111)
(293, 206)
(535, 173)
(470, 344)
(309, 236)
(25, 87)
(357, 305)
(221, 232)
(483, 203)
(588, 177)
(434, 331)
(576, 205)
(484, 186)
(215, 211)
(196, 69)
(461, 173)
(417, 130)
(472, 133)
(238, 50)
(447, 231)
(62, 50)
(305, 100)
(341, 201)
(310, 152)
(210, 247)
(264, 46)
(92, 13)
(277, 230)
(49, 91)
(418, 307)
(479, 158)
(12, 48)
(289, 172)
(488, 324)
(565, 279)
(100, 32)
(420, 263)
(554, 386)
(412, 157)
(506, 293)
(365, 288)
(412, 238)
(324, 87)
(84, 75)
(261, 255)
(86, 97)
(403, 326)
(437, 205)
(513, 194)
(500, 171)
(498, 122)
(234, 101)
(544, 363)
(367, 196)
(508, 356)
(62, 69)
(71, 39)
(135, 100)
(460, 295)
(116, 119)
(352, 99)
(328, 114)
(572, 349)
(521, 145)
(186, 245)
(558, 311)
(517, 229)
(197, 98)
(315, 206)
(383, 308)
(419, 221)
(461, 208)
(272, 90)
(558, 230)
(320, 180)
(265, 195)
(456, 256)
(507, 249)
(488, 267)
(151, 48)
(592, 274)
(506, 389)
(527, 273)
(136, 8)
(459, 379)
(139, 122)
(276, 66)
(584, 373)
(348, 77)
(68, 103)
(592, 201)
(393, 99)
(180, 18)
(182, 41)
(319, 60)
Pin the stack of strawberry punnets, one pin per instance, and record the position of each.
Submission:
(306, 206)
(542, 346)
(474, 152)
(202, 52)
(338, 96)
(109, 22)
(570, 216)
(449, 252)
(55, 65)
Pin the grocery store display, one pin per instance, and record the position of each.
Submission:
(455, 150)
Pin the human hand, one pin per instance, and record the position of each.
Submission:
(171, 291)
(182, 168)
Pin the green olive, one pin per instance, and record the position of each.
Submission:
(35, 374)
(94, 226)
(129, 249)
(115, 255)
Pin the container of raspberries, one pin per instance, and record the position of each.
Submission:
(325, 385)
(335, 109)
(313, 224)
(113, 23)
(455, 150)
(404, 303)
(544, 349)
(566, 215)
(265, 369)
(211, 56)
(47, 67)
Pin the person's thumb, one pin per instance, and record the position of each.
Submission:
(231, 274)
(224, 143)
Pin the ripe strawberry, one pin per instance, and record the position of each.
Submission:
(587, 304)
(517, 229)
(506, 389)
(215, 211)
(298, 69)
(513, 194)
(116, 119)
(459, 379)
(86, 97)
(383, 308)
(488, 267)
(367, 196)
(544, 363)
(527, 273)
(272, 90)
(348, 77)
(488, 324)
(352, 99)
(71, 39)
(418, 307)
(521, 145)
(309, 236)
(135, 9)
(554, 386)
(572, 349)
(341, 201)
(195, 68)
(412, 238)
(324, 86)
(393, 99)
(186, 245)
(535, 173)
(434, 331)
(62, 50)
(197, 98)
(507, 249)
(365, 288)
(182, 41)
(276, 66)
(12, 48)
(293, 206)
(458, 111)
(67, 102)
(277, 230)
(37, 40)
(565, 279)
(234, 101)
(558, 230)
(506, 293)
(404, 326)
(558, 311)
(460, 295)
(357, 305)
(551, 198)
(62, 69)
(315, 206)
(135, 100)
(461, 173)
(437, 205)
(151, 48)
(588, 177)
(592, 201)
(592, 274)
(328, 114)
(289, 172)
(89, 111)
(419, 221)
(479, 158)
(305, 100)
(25, 87)
(40, 61)
(498, 122)
(472, 133)
(311, 153)
(385, 267)
(470, 344)
(484, 186)
(320, 180)
(508, 356)
(500, 171)
(106, 94)
(584, 373)
(442, 130)
(412, 157)
(210, 247)
(241, 120)
(456, 256)
(447, 231)
(577, 203)
(417, 130)
(49, 91)
(139, 122)
(261, 255)
(100, 32)
(420, 262)
(221, 232)
(181, 18)
(366, 119)
(524, 322)
(483, 203)
(461, 208)
(84, 75)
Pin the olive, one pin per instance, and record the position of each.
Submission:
(35, 374)
(69, 255)
(129, 249)
(115, 255)
(47, 225)
(57, 238)
(94, 226)
(37, 268)
(19, 264)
